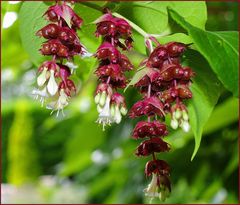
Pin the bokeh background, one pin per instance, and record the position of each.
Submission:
(70, 160)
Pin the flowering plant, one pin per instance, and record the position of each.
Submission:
(179, 76)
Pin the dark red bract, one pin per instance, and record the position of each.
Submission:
(149, 129)
(152, 145)
(157, 167)
(149, 106)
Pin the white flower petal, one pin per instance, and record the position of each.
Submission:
(106, 109)
(178, 114)
(102, 100)
(118, 116)
(152, 189)
(60, 104)
(185, 126)
(99, 108)
(105, 117)
(52, 85)
(40, 93)
(123, 110)
(112, 110)
(63, 98)
(174, 124)
(97, 98)
(185, 115)
(42, 77)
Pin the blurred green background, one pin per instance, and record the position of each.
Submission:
(70, 160)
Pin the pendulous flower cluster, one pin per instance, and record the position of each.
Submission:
(165, 86)
(62, 42)
(112, 65)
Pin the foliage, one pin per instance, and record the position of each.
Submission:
(20, 170)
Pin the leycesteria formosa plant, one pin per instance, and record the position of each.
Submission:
(164, 85)
(62, 42)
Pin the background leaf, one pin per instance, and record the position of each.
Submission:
(31, 21)
(194, 12)
(206, 90)
(219, 48)
(157, 20)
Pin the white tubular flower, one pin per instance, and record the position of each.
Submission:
(42, 94)
(105, 117)
(52, 86)
(117, 115)
(60, 104)
(123, 110)
(159, 187)
(185, 126)
(42, 77)
(102, 99)
(174, 124)
(99, 108)
(97, 98)
(152, 189)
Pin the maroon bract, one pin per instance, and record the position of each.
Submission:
(149, 129)
(112, 29)
(62, 43)
(157, 167)
(112, 65)
(64, 14)
(152, 145)
(149, 106)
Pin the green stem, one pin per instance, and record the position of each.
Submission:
(92, 5)
(133, 25)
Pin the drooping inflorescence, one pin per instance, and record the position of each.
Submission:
(62, 43)
(164, 87)
(110, 72)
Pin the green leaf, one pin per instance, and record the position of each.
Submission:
(139, 75)
(228, 108)
(219, 48)
(179, 37)
(31, 21)
(206, 90)
(157, 21)
(152, 16)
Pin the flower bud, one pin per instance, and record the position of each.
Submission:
(103, 98)
(185, 126)
(97, 98)
(174, 124)
(123, 110)
(178, 114)
(42, 77)
(49, 31)
(112, 110)
(185, 115)
(117, 116)
(99, 108)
